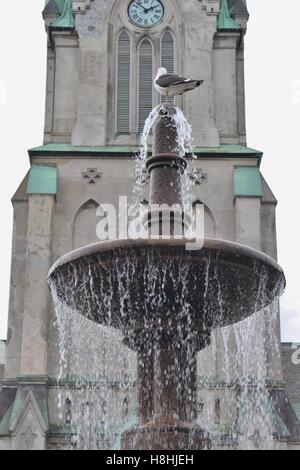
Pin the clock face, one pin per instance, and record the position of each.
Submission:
(146, 13)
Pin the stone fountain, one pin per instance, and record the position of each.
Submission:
(166, 300)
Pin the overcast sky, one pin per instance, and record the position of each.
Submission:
(273, 122)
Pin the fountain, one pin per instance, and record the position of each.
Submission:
(166, 300)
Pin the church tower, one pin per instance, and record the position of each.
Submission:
(101, 61)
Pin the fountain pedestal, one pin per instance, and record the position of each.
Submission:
(167, 404)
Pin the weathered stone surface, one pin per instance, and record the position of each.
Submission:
(17, 289)
(291, 370)
(36, 303)
(2, 359)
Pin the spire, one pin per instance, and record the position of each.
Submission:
(66, 20)
(54, 7)
(238, 8)
(225, 22)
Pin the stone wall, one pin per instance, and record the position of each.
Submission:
(291, 370)
(2, 358)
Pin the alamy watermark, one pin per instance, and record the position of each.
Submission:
(153, 221)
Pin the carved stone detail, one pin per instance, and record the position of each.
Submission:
(80, 6)
(29, 438)
(91, 176)
(212, 7)
(198, 177)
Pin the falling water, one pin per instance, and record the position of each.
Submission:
(97, 372)
(97, 397)
(184, 145)
(238, 370)
(96, 387)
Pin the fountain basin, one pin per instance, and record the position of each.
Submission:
(159, 288)
(166, 300)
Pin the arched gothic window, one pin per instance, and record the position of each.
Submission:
(167, 56)
(145, 75)
(142, 54)
(85, 224)
(123, 84)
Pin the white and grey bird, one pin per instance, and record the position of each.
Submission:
(170, 84)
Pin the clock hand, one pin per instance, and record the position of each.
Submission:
(145, 9)
(152, 6)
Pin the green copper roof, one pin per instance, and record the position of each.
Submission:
(15, 408)
(229, 150)
(4, 424)
(66, 20)
(247, 181)
(42, 180)
(19, 400)
(68, 148)
(296, 408)
(225, 22)
(280, 426)
(225, 150)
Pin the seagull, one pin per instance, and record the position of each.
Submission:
(170, 84)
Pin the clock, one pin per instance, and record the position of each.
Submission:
(146, 13)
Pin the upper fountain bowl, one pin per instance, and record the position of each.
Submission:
(134, 284)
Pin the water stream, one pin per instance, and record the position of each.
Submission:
(184, 146)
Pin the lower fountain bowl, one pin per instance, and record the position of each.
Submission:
(164, 290)
(159, 436)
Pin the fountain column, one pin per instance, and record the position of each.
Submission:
(175, 385)
(167, 373)
(145, 384)
(166, 168)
